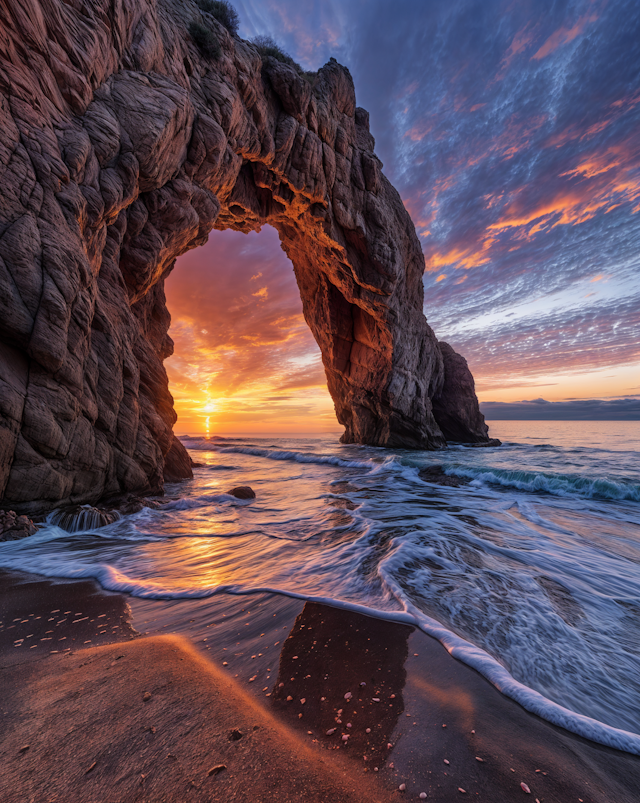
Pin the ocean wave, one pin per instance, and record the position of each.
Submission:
(555, 484)
(191, 502)
(300, 457)
(202, 444)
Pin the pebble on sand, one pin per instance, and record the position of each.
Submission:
(218, 768)
(402, 787)
(146, 697)
(345, 737)
(446, 761)
(525, 788)
(330, 731)
(348, 695)
(464, 791)
(368, 730)
(422, 795)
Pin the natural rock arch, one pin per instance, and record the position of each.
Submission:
(121, 147)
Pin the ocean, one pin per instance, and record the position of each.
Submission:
(530, 573)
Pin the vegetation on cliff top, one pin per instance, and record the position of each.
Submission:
(205, 38)
(269, 48)
(224, 12)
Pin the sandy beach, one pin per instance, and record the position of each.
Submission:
(123, 717)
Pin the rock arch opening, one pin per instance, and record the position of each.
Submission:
(121, 148)
(244, 361)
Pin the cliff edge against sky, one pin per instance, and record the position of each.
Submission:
(121, 146)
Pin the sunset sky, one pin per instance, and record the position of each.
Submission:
(511, 131)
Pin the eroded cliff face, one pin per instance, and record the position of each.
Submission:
(121, 147)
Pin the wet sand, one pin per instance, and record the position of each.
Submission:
(286, 667)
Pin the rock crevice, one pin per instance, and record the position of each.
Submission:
(121, 147)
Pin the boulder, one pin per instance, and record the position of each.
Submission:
(242, 492)
(14, 527)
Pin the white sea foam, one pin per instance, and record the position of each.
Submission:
(556, 484)
(192, 502)
(114, 580)
(298, 457)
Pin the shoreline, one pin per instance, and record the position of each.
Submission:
(430, 690)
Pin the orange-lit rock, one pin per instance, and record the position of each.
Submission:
(121, 146)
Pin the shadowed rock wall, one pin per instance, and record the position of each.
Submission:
(121, 147)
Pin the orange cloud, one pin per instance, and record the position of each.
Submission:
(461, 257)
(598, 163)
(564, 35)
(602, 181)
(420, 130)
(519, 43)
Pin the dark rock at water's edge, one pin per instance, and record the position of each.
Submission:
(243, 492)
(436, 474)
(121, 147)
(14, 527)
(78, 518)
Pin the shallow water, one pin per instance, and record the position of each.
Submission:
(531, 573)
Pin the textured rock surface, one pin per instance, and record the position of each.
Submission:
(14, 527)
(455, 405)
(121, 147)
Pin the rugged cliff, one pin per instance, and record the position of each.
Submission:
(121, 147)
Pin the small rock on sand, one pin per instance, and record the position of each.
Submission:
(235, 734)
(218, 768)
(146, 697)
